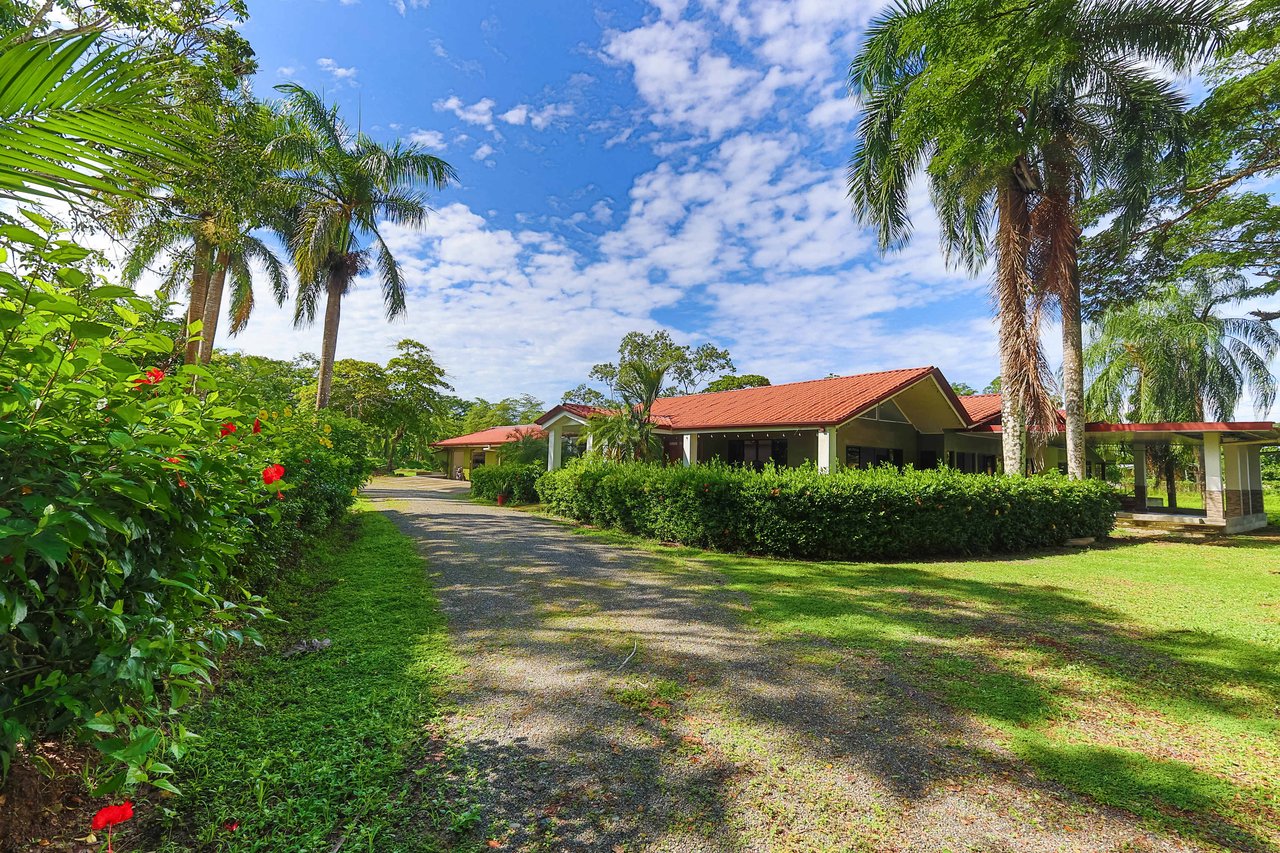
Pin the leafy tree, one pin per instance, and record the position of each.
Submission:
(993, 387)
(963, 389)
(687, 367)
(269, 381)
(529, 449)
(345, 183)
(733, 382)
(415, 386)
(509, 411)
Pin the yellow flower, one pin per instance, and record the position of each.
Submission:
(327, 429)
(355, 491)
(288, 411)
(262, 414)
(275, 414)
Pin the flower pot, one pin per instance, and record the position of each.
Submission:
(502, 500)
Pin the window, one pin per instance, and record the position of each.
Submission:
(757, 452)
(869, 457)
(477, 459)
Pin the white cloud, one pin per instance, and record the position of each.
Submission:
(516, 115)
(286, 71)
(338, 72)
(482, 153)
(480, 113)
(430, 139)
(403, 6)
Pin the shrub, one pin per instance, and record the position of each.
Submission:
(138, 504)
(515, 481)
(849, 515)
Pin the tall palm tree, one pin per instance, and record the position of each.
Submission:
(979, 180)
(1097, 114)
(345, 184)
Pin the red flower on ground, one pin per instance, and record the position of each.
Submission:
(227, 429)
(232, 826)
(257, 426)
(272, 473)
(109, 816)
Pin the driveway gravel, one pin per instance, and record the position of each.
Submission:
(615, 699)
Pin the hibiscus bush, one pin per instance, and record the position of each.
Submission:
(139, 504)
(848, 515)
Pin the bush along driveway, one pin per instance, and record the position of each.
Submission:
(623, 696)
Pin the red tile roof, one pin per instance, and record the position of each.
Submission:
(819, 402)
(981, 407)
(578, 409)
(493, 435)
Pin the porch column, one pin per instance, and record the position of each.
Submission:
(1140, 474)
(827, 452)
(690, 451)
(1243, 476)
(555, 448)
(590, 442)
(1214, 504)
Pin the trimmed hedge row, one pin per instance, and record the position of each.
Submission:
(515, 481)
(850, 514)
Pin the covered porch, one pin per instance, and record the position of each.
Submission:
(1229, 464)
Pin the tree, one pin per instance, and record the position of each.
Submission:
(1023, 127)
(963, 389)
(733, 382)
(1098, 118)
(345, 183)
(993, 387)
(688, 367)
(271, 382)
(1175, 357)
(628, 433)
(415, 390)
(937, 100)
(509, 411)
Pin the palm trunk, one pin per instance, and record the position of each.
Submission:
(1170, 472)
(391, 451)
(1061, 277)
(213, 305)
(1018, 354)
(329, 346)
(199, 292)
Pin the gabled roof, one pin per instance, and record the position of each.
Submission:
(981, 407)
(818, 402)
(491, 436)
(578, 410)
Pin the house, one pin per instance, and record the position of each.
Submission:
(912, 417)
(480, 448)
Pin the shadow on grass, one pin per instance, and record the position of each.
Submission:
(929, 654)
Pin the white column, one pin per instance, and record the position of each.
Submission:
(828, 454)
(1214, 499)
(555, 448)
(590, 442)
(690, 448)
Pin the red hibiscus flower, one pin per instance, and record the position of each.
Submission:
(154, 376)
(257, 426)
(109, 816)
(272, 473)
(227, 429)
(182, 484)
(232, 826)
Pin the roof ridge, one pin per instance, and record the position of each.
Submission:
(924, 369)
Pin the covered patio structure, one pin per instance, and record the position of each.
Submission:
(1232, 470)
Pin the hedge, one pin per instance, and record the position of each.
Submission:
(515, 481)
(848, 515)
(142, 509)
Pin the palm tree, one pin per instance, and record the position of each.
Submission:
(345, 183)
(1174, 357)
(1098, 115)
(627, 434)
(903, 74)
(78, 119)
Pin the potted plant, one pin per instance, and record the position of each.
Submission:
(502, 498)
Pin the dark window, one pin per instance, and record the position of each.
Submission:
(673, 449)
(757, 452)
(869, 457)
(852, 456)
(477, 459)
(928, 459)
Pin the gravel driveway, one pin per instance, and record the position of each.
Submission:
(615, 700)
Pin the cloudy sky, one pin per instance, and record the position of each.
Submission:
(624, 166)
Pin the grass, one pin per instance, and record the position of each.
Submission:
(331, 748)
(1144, 675)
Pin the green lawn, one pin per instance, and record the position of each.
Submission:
(1142, 674)
(329, 746)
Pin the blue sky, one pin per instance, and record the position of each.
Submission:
(623, 166)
